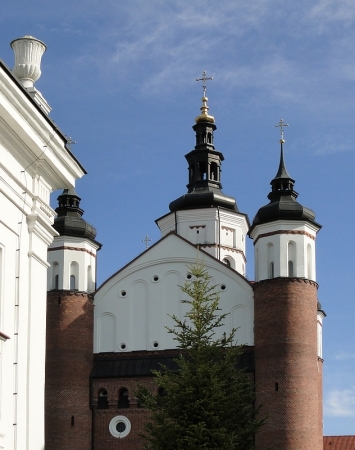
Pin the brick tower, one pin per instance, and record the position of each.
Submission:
(69, 355)
(287, 323)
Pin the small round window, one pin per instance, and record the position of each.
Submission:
(120, 427)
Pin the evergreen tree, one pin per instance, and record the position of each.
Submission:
(208, 402)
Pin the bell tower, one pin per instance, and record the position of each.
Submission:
(205, 215)
(69, 353)
(288, 365)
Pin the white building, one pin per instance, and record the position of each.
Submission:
(34, 161)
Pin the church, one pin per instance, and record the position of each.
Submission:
(90, 345)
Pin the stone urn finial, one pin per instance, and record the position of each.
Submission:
(28, 53)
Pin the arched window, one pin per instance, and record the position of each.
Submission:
(102, 401)
(123, 399)
(74, 276)
(55, 271)
(270, 260)
(291, 259)
(90, 286)
(271, 270)
(56, 282)
(214, 171)
(310, 274)
(226, 262)
(203, 170)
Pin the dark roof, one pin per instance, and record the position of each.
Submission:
(69, 221)
(121, 366)
(283, 204)
(338, 442)
(203, 199)
(136, 364)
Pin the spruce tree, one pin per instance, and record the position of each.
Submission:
(207, 402)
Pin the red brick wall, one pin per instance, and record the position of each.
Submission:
(286, 364)
(103, 439)
(320, 403)
(69, 357)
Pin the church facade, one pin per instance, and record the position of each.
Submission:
(90, 347)
(90, 392)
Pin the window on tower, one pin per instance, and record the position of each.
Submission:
(226, 262)
(271, 270)
(56, 282)
(74, 276)
(214, 172)
(55, 271)
(290, 269)
(102, 402)
(123, 399)
(72, 282)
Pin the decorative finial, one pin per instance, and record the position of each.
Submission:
(28, 54)
(204, 79)
(282, 124)
(146, 240)
(204, 117)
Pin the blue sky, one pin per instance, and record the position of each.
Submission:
(120, 77)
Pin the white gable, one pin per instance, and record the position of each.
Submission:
(132, 308)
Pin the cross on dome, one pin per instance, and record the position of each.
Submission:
(282, 124)
(204, 117)
(204, 79)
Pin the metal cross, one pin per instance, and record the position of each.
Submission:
(282, 124)
(70, 142)
(146, 240)
(204, 79)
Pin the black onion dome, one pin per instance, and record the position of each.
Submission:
(283, 204)
(69, 221)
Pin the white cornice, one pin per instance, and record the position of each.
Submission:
(26, 123)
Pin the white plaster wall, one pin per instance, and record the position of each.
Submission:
(81, 251)
(219, 232)
(33, 162)
(140, 298)
(280, 243)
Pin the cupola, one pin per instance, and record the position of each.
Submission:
(69, 221)
(204, 165)
(283, 204)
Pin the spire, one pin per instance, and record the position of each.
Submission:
(282, 172)
(204, 117)
(283, 204)
(282, 180)
(204, 186)
(69, 221)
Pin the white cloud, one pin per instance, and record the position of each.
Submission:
(325, 13)
(340, 403)
(345, 356)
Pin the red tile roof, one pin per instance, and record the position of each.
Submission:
(338, 442)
